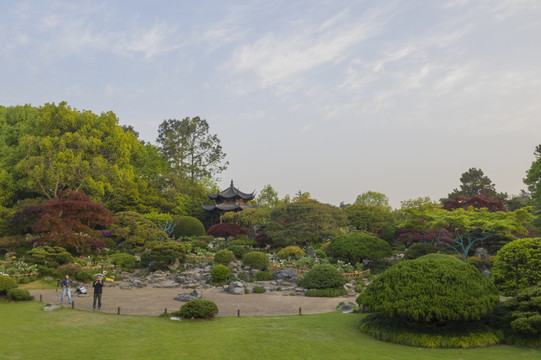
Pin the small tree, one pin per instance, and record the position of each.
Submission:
(357, 246)
(226, 230)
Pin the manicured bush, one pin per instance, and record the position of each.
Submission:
(220, 273)
(417, 250)
(132, 231)
(431, 289)
(19, 295)
(322, 277)
(518, 265)
(84, 276)
(201, 244)
(162, 254)
(305, 262)
(6, 283)
(187, 226)
(264, 275)
(256, 260)
(125, 261)
(332, 292)
(199, 309)
(259, 290)
(50, 256)
(226, 230)
(291, 252)
(224, 257)
(243, 240)
(238, 250)
(526, 312)
(68, 269)
(320, 253)
(357, 246)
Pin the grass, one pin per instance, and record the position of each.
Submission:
(38, 284)
(28, 332)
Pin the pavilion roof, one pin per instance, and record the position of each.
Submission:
(230, 193)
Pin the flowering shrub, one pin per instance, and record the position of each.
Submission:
(18, 267)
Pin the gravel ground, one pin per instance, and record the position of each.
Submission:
(153, 301)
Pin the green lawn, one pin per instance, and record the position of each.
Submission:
(28, 332)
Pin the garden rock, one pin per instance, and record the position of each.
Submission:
(195, 294)
(310, 252)
(287, 275)
(236, 288)
(50, 307)
(482, 253)
(346, 308)
(48, 278)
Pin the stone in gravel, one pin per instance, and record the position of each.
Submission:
(167, 285)
(236, 288)
(195, 294)
(50, 307)
(345, 307)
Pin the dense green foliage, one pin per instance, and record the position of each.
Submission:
(125, 261)
(322, 277)
(451, 335)
(518, 265)
(220, 273)
(331, 292)
(187, 226)
(15, 294)
(357, 246)
(256, 260)
(224, 257)
(238, 250)
(259, 290)
(526, 312)
(162, 254)
(418, 250)
(50, 256)
(291, 252)
(431, 289)
(199, 309)
(6, 283)
(264, 275)
(132, 231)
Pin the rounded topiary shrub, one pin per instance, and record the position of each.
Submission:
(256, 260)
(418, 250)
(525, 311)
(220, 272)
(19, 295)
(291, 252)
(125, 261)
(357, 246)
(518, 265)
(6, 283)
(259, 290)
(322, 277)
(224, 257)
(431, 289)
(187, 226)
(199, 309)
(238, 250)
(264, 275)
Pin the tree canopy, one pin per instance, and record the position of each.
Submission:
(475, 182)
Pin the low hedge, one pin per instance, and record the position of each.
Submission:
(19, 295)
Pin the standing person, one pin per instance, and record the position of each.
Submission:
(98, 287)
(66, 284)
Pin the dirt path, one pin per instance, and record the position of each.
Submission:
(153, 301)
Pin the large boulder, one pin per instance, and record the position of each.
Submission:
(195, 294)
(287, 275)
(236, 288)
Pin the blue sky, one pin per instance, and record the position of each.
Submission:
(331, 97)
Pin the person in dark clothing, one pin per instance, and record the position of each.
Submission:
(98, 287)
(66, 285)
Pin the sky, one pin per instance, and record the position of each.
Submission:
(330, 97)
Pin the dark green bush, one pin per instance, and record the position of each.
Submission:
(162, 254)
(357, 246)
(264, 275)
(332, 292)
(132, 231)
(187, 226)
(291, 252)
(418, 250)
(518, 265)
(256, 260)
(50, 256)
(525, 311)
(19, 295)
(238, 250)
(320, 253)
(224, 257)
(6, 283)
(450, 335)
(199, 244)
(125, 261)
(67, 269)
(259, 290)
(45, 271)
(242, 240)
(220, 272)
(84, 276)
(322, 277)
(431, 289)
(199, 309)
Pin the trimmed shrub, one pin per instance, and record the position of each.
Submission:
(256, 260)
(6, 283)
(259, 290)
(224, 257)
(518, 265)
(220, 273)
(291, 252)
(417, 250)
(226, 230)
(322, 277)
(320, 253)
(162, 254)
(84, 276)
(526, 311)
(450, 335)
(68, 269)
(305, 262)
(199, 309)
(19, 295)
(125, 261)
(50, 256)
(238, 250)
(201, 244)
(431, 289)
(357, 246)
(332, 292)
(264, 275)
(187, 226)
(132, 231)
